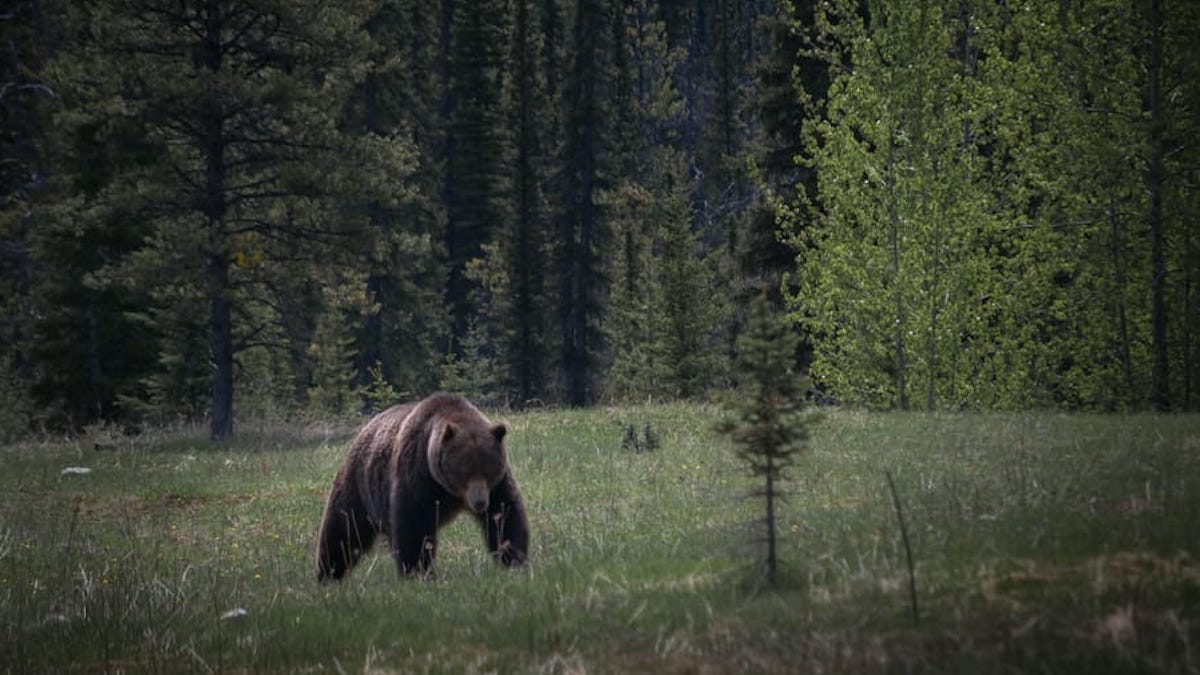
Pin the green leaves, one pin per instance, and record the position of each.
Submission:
(886, 288)
(980, 178)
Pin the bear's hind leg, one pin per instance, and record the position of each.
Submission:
(346, 534)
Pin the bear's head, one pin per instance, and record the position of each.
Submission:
(466, 457)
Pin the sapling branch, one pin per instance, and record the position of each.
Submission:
(912, 577)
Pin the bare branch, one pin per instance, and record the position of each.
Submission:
(22, 87)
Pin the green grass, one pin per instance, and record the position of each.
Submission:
(1043, 543)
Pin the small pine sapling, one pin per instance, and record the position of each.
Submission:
(630, 442)
(650, 438)
(647, 442)
(768, 423)
(380, 394)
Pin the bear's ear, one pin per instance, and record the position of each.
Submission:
(498, 431)
(448, 433)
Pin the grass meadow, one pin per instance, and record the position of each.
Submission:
(1042, 543)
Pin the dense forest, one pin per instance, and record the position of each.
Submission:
(212, 208)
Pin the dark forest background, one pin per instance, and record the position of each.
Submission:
(308, 207)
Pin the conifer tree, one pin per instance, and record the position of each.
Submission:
(583, 233)
(769, 425)
(640, 369)
(665, 305)
(23, 98)
(248, 179)
(647, 106)
(401, 341)
(331, 352)
(693, 305)
(792, 84)
(479, 369)
(479, 148)
(513, 276)
(727, 195)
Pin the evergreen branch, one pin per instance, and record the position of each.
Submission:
(249, 343)
(230, 45)
(285, 232)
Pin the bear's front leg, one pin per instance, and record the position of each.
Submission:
(505, 525)
(414, 540)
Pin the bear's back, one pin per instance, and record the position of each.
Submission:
(378, 440)
(377, 434)
(370, 456)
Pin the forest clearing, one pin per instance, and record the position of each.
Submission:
(232, 229)
(1042, 542)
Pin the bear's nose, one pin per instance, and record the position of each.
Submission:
(477, 496)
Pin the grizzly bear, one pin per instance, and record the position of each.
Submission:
(409, 472)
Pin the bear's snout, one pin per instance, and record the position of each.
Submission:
(477, 496)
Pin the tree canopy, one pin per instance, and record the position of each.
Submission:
(219, 208)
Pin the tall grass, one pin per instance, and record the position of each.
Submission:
(1042, 542)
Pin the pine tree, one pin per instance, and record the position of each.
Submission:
(693, 305)
(23, 97)
(331, 352)
(478, 188)
(91, 340)
(663, 339)
(647, 107)
(479, 369)
(770, 425)
(793, 82)
(583, 233)
(727, 197)
(1182, 205)
(403, 340)
(640, 369)
(250, 178)
(513, 298)
(534, 125)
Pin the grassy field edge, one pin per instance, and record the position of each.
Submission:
(1042, 541)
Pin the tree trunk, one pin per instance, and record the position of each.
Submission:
(901, 363)
(1186, 348)
(578, 372)
(936, 304)
(772, 561)
(24, 363)
(528, 270)
(1116, 249)
(581, 217)
(1156, 186)
(1190, 306)
(221, 345)
(95, 374)
(212, 142)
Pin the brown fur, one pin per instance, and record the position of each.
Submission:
(409, 472)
